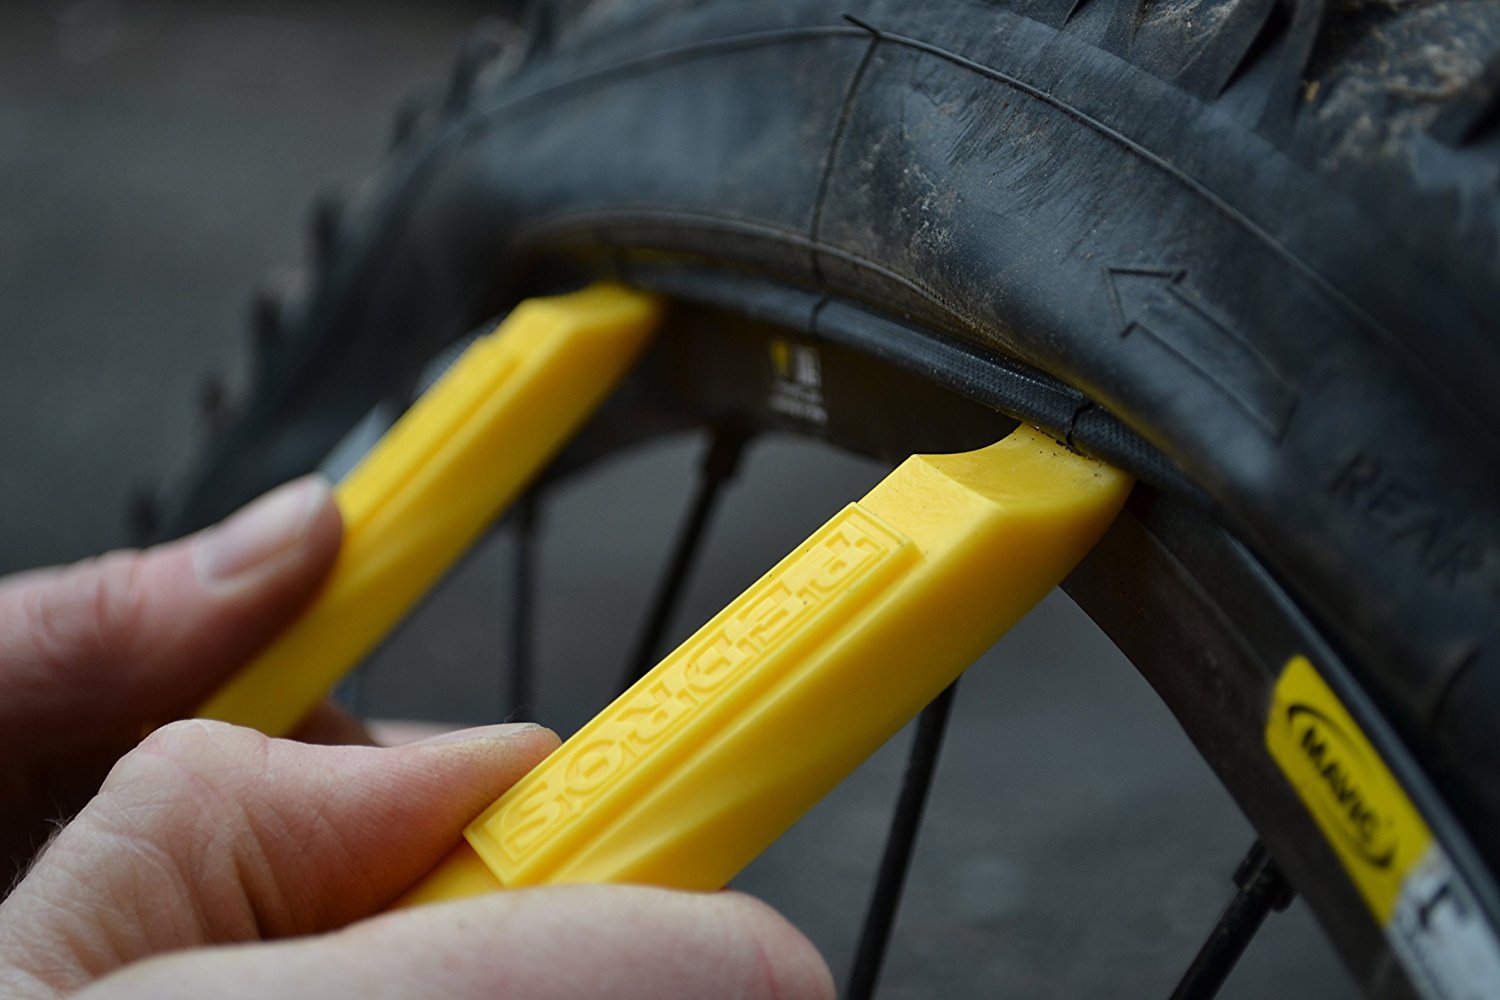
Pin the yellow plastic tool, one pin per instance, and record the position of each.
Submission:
(437, 479)
(695, 769)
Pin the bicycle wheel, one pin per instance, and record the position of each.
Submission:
(1242, 248)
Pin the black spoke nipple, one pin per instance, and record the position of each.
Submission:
(1258, 875)
(727, 446)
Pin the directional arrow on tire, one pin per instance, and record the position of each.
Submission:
(1159, 303)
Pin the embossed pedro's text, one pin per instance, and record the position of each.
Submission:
(724, 656)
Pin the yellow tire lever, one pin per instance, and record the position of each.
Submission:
(436, 480)
(706, 760)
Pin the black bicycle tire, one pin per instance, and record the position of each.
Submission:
(503, 192)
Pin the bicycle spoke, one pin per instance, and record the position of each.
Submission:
(720, 463)
(900, 841)
(522, 609)
(1262, 888)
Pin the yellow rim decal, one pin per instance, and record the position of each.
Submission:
(1429, 914)
(1376, 831)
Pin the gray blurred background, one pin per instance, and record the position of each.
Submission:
(156, 160)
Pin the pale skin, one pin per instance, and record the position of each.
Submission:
(214, 862)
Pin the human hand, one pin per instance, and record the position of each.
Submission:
(209, 834)
(92, 655)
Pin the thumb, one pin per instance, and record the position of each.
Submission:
(212, 834)
(133, 636)
(90, 653)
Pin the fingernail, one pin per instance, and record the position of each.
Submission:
(480, 734)
(257, 534)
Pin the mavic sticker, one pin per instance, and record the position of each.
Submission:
(1429, 915)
